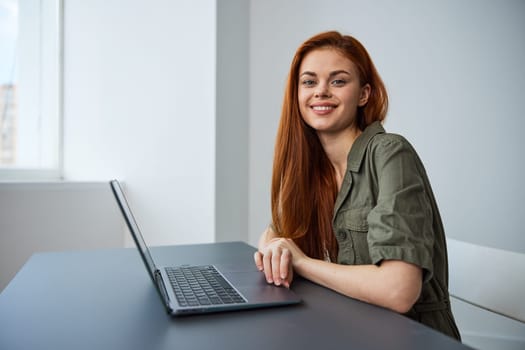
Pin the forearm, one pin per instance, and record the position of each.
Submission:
(395, 285)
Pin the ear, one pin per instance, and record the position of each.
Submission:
(365, 94)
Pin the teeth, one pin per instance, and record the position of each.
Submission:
(322, 108)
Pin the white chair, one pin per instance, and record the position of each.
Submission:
(487, 287)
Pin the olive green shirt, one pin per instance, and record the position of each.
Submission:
(386, 210)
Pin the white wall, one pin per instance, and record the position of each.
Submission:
(40, 217)
(139, 105)
(155, 95)
(232, 120)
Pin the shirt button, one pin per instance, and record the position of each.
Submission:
(341, 234)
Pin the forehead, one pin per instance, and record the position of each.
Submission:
(325, 60)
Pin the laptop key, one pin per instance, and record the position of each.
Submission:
(202, 285)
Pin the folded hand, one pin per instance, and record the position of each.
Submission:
(276, 260)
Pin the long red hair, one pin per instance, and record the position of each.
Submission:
(304, 186)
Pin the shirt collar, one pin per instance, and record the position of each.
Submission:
(358, 149)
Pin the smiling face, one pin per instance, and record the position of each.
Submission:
(329, 92)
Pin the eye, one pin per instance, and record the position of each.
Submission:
(308, 82)
(338, 82)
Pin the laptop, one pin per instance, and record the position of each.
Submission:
(197, 289)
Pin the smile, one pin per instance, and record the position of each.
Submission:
(323, 108)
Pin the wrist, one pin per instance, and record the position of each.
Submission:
(265, 238)
(301, 265)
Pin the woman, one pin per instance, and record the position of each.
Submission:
(352, 207)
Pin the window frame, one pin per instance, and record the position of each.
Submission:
(22, 174)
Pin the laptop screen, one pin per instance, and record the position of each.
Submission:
(134, 228)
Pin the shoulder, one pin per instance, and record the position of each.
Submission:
(375, 147)
(386, 138)
(392, 153)
(389, 144)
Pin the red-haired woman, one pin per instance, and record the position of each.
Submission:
(352, 207)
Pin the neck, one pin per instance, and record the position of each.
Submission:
(337, 147)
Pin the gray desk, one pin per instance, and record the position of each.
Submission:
(104, 300)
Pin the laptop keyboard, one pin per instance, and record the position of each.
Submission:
(201, 285)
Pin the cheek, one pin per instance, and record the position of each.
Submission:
(350, 101)
(302, 99)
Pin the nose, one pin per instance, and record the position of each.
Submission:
(322, 91)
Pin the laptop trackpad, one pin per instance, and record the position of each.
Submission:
(253, 285)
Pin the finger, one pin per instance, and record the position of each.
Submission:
(258, 260)
(289, 278)
(286, 268)
(276, 266)
(286, 259)
(267, 266)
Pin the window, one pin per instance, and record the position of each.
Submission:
(30, 89)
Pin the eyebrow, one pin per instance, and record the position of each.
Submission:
(334, 73)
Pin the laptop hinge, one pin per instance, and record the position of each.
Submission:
(162, 290)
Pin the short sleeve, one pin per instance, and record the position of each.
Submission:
(400, 225)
